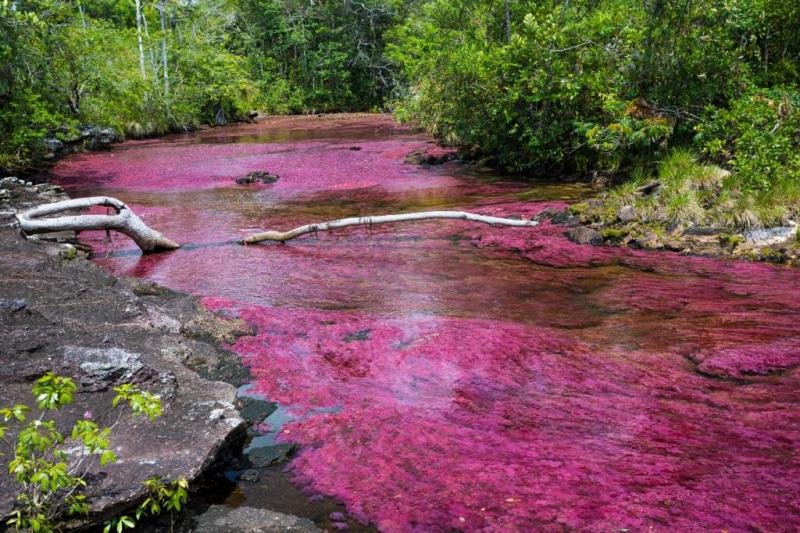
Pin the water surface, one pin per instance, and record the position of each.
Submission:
(441, 376)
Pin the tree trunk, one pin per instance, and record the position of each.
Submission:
(164, 47)
(125, 222)
(283, 236)
(507, 20)
(138, 5)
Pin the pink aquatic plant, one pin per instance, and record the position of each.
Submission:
(443, 376)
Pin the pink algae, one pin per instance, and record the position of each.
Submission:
(446, 376)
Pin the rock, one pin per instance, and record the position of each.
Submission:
(53, 145)
(565, 218)
(269, 455)
(626, 213)
(12, 305)
(98, 138)
(48, 306)
(249, 520)
(355, 148)
(250, 476)
(674, 245)
(106, 365)
(584, 235)
(254, 410)
(362, 335)
(599, 180)
(11, 181)
(649, 241)
(257, 177)
(770, 236)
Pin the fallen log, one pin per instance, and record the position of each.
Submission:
(283, 236)
(124, 221)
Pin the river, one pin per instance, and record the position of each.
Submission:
(443, 376)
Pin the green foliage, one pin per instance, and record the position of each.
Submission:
(161, 497)
(141, 402)
(608, 84)
(50, 467)
(206, 62)
(758, 136)
(318, 56)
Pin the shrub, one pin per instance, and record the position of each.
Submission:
(758, 136)
(49, 467)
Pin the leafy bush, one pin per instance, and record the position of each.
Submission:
(50, 467)
(758, 136)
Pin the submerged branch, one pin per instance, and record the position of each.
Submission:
(283, 236)
(124, 221)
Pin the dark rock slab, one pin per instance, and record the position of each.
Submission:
(72, 318)
(255, 410)
(263, 456)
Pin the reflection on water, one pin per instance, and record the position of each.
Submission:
(441, 376)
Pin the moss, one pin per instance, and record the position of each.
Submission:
(614, 234)
(726, 240)
(578, 209)
(772, 256)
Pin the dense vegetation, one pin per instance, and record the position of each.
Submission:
(614, 86)
(574, 86)
(147, 67)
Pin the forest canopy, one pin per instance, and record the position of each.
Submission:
(575, 86)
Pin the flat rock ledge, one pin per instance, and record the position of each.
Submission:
(61, 313)
(219, 518)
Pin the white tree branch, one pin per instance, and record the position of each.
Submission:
(124, 221)
(283, 236)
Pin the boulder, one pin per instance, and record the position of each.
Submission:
(584, 235)
(263, 456)
(105, 365)
(53, 145)
(85, 324)
(257, 177)
(649, 241)
(255, 410)
(249, 520)
(565, 218)
(770, 236)
(98, 138)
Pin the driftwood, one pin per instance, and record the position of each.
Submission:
(283, 236)
(124, 221)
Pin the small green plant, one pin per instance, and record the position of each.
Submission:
(726, 240)
(50, 467)
(161, 497)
